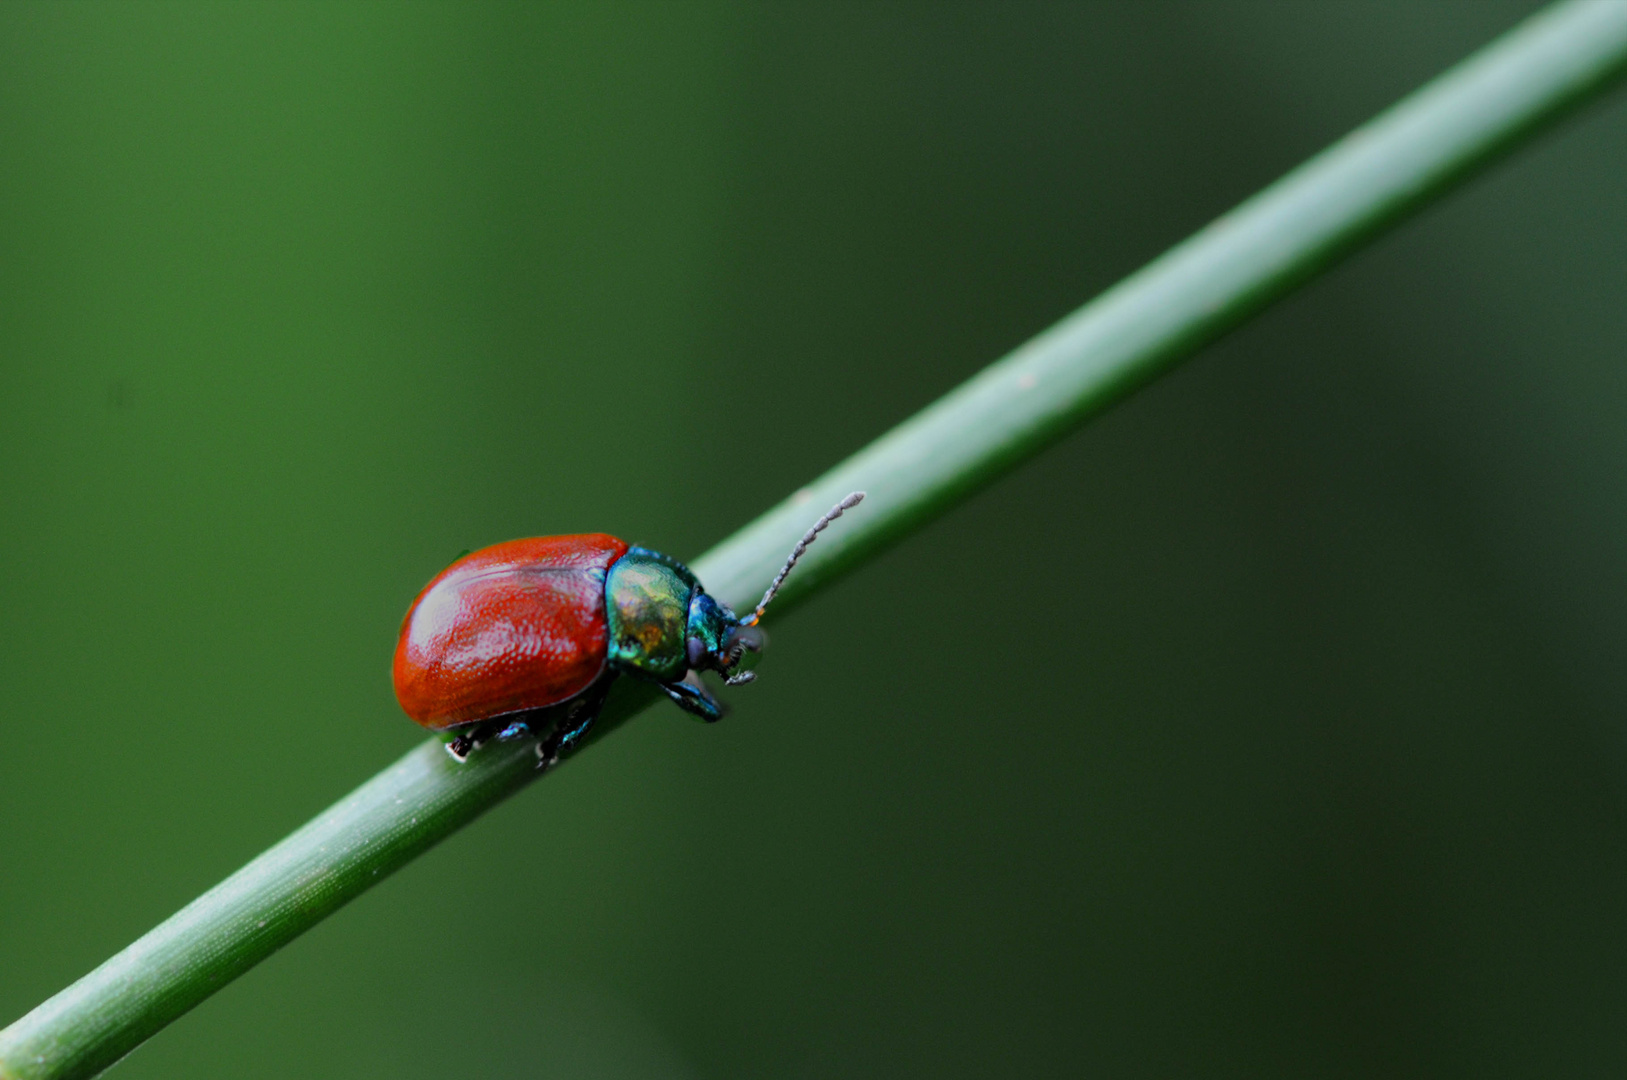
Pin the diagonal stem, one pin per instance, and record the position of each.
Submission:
(1405, 158)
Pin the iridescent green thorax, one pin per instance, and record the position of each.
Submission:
(655, 606)
(647, 600)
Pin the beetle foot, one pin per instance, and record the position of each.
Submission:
(461, 747)
(691, 695)
(475, 736)
(553, 745)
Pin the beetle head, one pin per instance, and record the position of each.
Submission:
(718, 641)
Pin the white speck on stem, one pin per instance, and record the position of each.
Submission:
(1027, 380)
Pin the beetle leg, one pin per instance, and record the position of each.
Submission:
(573, 722)
(461, 747)
(693, 698)
(472, 738)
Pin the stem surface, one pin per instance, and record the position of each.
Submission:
(1373, 178)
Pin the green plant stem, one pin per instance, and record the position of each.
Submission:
(1406, 157)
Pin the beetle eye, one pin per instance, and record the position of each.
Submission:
(694, 652)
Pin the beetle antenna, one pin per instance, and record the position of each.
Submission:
(796, 553)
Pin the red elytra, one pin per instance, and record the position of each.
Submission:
(516, 626)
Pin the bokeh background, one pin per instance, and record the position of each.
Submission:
(1272, 726)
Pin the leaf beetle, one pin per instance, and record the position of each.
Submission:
(526, 637)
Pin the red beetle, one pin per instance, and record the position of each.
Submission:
(525, 638)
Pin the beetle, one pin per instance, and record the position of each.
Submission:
(526, 637)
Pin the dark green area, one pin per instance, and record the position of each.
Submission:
(1272, 726)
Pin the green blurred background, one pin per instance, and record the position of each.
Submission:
(1273, 726)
